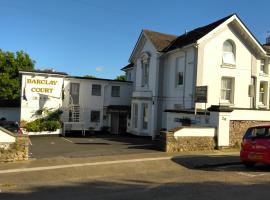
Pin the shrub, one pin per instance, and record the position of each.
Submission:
(48, 123)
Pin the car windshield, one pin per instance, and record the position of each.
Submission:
(258, 132)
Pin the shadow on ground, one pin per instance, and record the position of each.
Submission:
(218, 163)
(136, 189)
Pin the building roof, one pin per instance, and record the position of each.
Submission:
(159, 40)
(44, 72)
(129, 66)
(194, 35)
(10, 103)
(98, 79)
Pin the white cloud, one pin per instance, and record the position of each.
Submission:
(99, 69)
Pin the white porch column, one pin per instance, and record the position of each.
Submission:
(220, 118)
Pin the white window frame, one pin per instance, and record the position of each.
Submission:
(114, 92)
(145, 66)
(145, 116)
(229, 57)
(230, 90)
(96, 92)
(263, 66)
(263, 92)
(135, 115)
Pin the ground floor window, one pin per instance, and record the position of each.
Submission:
(145, 115)
(263, 93)
(135, 114)
(227, 88)
(95, 116)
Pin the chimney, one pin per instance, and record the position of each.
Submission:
(268, 40)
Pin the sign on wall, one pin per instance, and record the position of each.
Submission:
(201, 94)
(40, 86)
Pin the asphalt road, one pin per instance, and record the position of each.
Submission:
(184, 177)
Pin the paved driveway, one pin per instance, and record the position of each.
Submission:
(54, 146)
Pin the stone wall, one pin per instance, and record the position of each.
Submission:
(238, 129)
(170, 144)
(17, 151)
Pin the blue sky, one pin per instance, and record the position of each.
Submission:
(96, 37)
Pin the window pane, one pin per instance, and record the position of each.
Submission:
(228, 53)
(95, 116)
(115, 91)
(74, 93)
(180, 78)
(96, 90)
(227, 47)
(226, 89)
(145, 116)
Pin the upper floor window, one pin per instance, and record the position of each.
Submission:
(74, 93)
(96, 90)
(227, 89)
(228, 53)
(263, 67)
(180, 66)
(115, 91)
(145, 60)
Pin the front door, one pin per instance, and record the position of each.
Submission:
(114, 123)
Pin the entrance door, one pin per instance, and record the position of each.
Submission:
(114, 123)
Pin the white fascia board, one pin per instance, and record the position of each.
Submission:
(234, 17)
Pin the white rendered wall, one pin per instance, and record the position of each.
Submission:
(6, 138)
(195, 132)
(51, 99)
(210, 61)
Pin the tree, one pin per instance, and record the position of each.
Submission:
(10, 64)
(120, 78)
(89, 76)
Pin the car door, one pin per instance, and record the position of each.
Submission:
(262, 142)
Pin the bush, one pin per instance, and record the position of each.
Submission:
(48, 123)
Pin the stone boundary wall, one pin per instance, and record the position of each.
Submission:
(238, 129)
(17, 151)
(170, 144)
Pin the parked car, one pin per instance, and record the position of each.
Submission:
(255, 146)
(12, 126)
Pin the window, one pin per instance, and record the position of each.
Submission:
(227, 89)
(145, 115)
(180, 77)
(115, 91)
(74, 93)
(135, 114)
(95, 116)
(228, 53)
(96, 90)
(145, 60)
(179, 71)
(263, 93)
(263, 67)
(145, 74)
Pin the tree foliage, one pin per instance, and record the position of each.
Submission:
(120, 78)
(10, 64)
(89, 76)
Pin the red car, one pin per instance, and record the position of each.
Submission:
(255, 147)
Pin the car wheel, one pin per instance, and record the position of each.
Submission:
(249, 164)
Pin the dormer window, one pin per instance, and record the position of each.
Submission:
(228, 53)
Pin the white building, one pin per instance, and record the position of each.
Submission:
(88, 103)
(166, 70)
